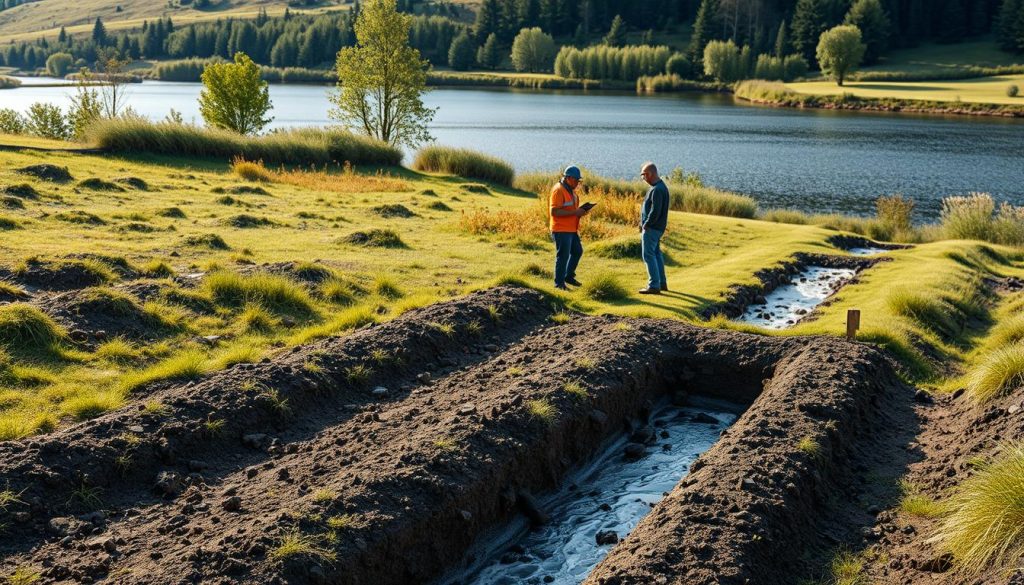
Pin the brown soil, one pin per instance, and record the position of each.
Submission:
(956, 434)
(90, 315)
(415, 439)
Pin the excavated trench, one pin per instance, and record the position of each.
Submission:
(389, 477)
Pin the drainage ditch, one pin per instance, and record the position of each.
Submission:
(788, 304)
(599, 503)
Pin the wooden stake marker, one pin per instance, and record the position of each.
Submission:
(852, 323)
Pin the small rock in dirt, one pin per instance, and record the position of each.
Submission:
(605, 508)
(254, 440)
(169, 483)
(467, 409)
(380, 392)
(607, 537)
(423, 378)
(634, 451)
(137, 429)
(466, 515)
(104, 543)
(1013, 409)
(232, 504)
(923, 397)
(746, 484)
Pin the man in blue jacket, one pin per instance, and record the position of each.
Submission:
(653, 221)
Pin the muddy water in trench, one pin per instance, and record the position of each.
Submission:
(610, 493)
(789, 303)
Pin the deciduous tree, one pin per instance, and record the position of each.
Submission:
(533, 51)
(234, 96)
(840, 51)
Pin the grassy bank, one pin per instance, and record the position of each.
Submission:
(799, 95)
(299, 146)
(388, 242)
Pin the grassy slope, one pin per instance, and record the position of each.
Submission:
(940, 59)
(986, 90)
(45, 17)
(708, 254)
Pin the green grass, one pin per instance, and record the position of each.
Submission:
(296, 544)
(438, 261)
(464, 163)
(26, 328)
(810, 447)
(985, 526)
(299, 146)
(543, 411)
(604, 287)
(848, 569)
(998, 372)
(917, 504)
(24, 576)
(940, 61)
(273, 292)
(982, 90)
(188, 365)
(575, 389)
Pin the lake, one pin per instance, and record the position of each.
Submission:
(813, 160)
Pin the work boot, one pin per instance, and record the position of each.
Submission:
(573, 281)
(650, 291)
(664, 288)
(561, 287)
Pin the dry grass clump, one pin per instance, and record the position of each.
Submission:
(999, 372)
(464, 163)
(985, 526)
(975, 217)
(344, 180)
(530, 222)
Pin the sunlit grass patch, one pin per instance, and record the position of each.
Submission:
(542, 410)
(848, 569)
(604, 287)
(998, 372)
(187, 365)
(985, 525)
(242, 351)
(915, 503)
(347, 320)
(26, 328)
(464, 163)
(271, 291)
(576, 389)
(296, 544)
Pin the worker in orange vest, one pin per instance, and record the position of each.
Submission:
(565, 224)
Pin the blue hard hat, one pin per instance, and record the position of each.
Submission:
(573, 172)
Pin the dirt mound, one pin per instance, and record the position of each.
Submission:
(133, 182)
(8, 202)
(375, 239)
(23, 190)
(94, 315)
(378, 457)
(392, 210)
(47, 172)
(245, 221)
(97, 184)
(311, 273)
(61, 275)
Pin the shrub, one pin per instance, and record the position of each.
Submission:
(23, 326)
(604, 287)
(234, 96)
(11, 122)
(895, 211)
(9, 82)
(8, 223)
(58, 64)
(620, 249)
(299, 146)
(464, 163)
(618, 63)
(723, 61)
(1001, 371)
(985, 527)
(47, 121)
(790, 216)
(1012, 91)
(251, 171)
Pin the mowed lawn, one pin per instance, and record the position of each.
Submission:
(984, 90)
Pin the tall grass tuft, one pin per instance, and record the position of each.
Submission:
(297, 146)
(604, 287)
(975, 217)
(1001, 371)
(464, 163)
(985, 526)
(927, 311)
(24, 327)
(274, 292)
(347, 180)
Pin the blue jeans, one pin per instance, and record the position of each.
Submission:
(653, 258)
(568, 251)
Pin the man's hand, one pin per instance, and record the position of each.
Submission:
(583, 212)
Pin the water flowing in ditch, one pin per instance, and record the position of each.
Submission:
(609, 494)
(867, 251)
(787, 304)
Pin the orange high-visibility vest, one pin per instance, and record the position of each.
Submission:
(563, 198)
